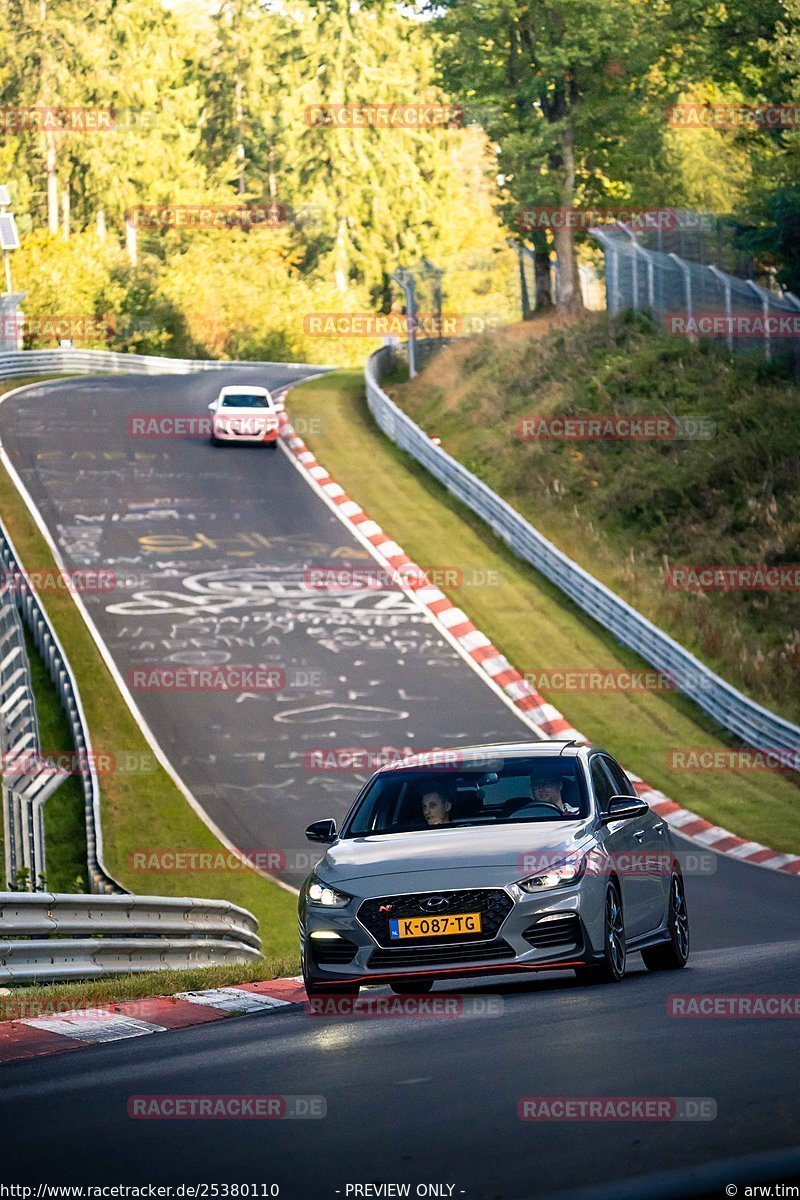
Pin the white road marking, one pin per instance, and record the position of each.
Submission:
(94, 1026)
(232, 999)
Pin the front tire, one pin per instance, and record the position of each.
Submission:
(611, 968)
(672, 955)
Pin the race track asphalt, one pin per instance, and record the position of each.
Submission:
(212, 550)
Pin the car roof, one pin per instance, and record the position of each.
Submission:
(249, 388)
(555, 748)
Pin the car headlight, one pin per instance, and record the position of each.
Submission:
(323, 894)
(559, 875)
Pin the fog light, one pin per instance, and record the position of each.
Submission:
(324, 933)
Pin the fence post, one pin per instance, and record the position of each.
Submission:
(634, 269)
(726, 289)
(795, 303)
(436, 274)
(406, 281)
(687, 275)
(764, 297)
(613, 298)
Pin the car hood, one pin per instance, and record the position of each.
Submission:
(450, 857)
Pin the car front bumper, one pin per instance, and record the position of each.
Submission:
(560, 927)
(227, 433)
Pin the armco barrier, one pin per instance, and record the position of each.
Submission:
(18, 363)
(63, 680)
(46, 936)
(753, 724)
(27, 780)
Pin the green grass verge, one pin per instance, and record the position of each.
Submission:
(145, 810)
(627, 510)
(532, 622)
(37, 1000)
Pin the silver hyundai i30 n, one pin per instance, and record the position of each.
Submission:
(490, 860)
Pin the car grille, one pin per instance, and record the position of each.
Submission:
(493, 904)
(566, 931)
(437, 956)
(335, 950)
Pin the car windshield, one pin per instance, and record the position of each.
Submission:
(244, 400)
(515, 790)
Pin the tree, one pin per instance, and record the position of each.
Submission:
(129, 56)
(564, 83)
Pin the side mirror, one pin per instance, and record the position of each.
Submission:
(279, 406)
(624, 808)
(322, 831)
(212, 405)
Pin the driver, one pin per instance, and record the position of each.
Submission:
(436, 808)
(550, 791)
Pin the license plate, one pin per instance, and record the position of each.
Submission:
(420, 927)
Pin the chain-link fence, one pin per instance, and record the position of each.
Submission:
(702, 238)
(694, 299)
(441, 299)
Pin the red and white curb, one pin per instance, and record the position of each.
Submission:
(34, 1037)
(497, 671)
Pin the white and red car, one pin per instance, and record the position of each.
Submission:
(243, 413)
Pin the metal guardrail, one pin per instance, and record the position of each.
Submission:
(17, 363)
(735, 712)
(47, 936)
(27, 781)
(60, 672)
